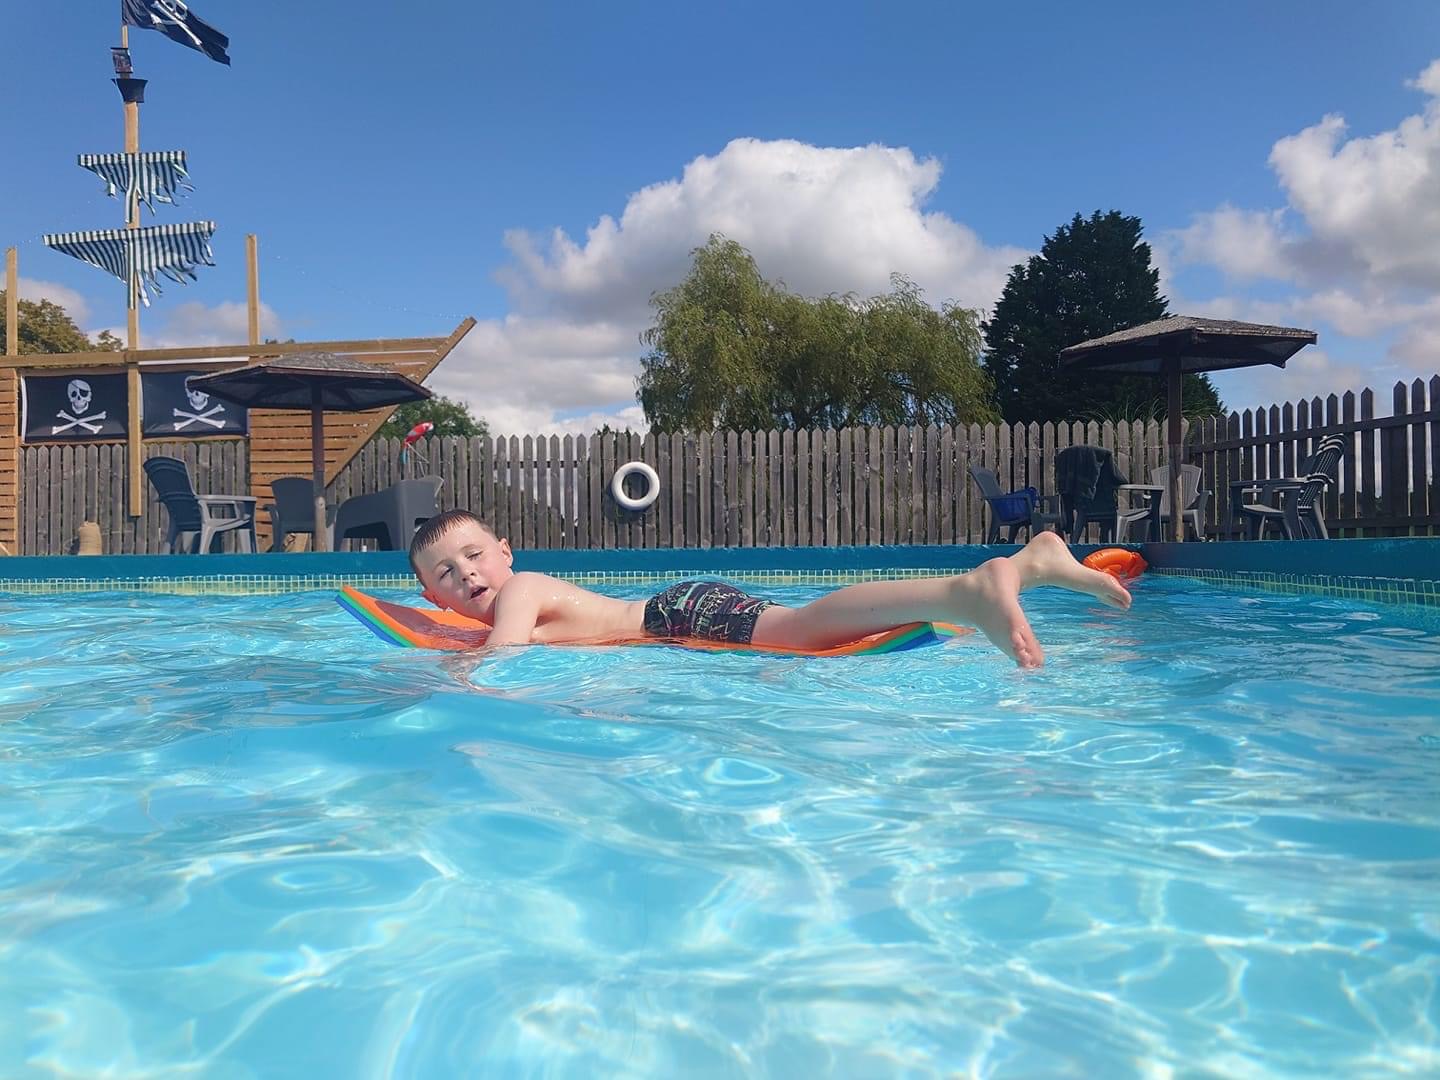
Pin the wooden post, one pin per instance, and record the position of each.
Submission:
(317, 462)
(12, 303)
(252, 274)
(133, 440)
(1174, 387)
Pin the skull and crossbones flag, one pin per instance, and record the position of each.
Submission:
(175, 20)
(173, 411)
(72, 408)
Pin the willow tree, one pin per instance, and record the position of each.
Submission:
(729, 349)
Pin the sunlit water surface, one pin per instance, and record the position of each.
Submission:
(241, 837)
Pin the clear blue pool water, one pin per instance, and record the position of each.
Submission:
(241, 837)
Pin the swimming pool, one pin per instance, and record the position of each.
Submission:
(239, 836)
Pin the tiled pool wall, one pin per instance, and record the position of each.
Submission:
(1399, 571)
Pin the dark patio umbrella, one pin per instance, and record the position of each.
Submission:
(1181, 345)
(315, 382)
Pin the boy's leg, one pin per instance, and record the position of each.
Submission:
(987, 598)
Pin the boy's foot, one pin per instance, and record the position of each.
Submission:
(1046, 560)
(989, 598)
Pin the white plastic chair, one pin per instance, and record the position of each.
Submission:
(1191, 497)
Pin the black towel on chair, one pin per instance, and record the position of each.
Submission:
(1086, 478)
(1077, 469)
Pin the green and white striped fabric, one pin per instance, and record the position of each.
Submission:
(152, 176)
(172, 251)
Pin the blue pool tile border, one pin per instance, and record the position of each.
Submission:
(1398, 571)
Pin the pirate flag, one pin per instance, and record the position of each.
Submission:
(175, 20)
(174, 411)
(65, 408)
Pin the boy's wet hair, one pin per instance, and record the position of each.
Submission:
(439, 526)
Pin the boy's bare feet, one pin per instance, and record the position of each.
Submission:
(989, 597)
(1046, 560)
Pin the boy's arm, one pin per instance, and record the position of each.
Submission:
(517, 610)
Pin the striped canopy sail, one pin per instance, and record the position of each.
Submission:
(151, 177)
(173, 251)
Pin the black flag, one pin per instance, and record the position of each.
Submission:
(175, 20)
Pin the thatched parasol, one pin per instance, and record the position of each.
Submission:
(315, 382)
(1181, 345)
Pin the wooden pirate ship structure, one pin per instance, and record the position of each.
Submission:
(137, 395)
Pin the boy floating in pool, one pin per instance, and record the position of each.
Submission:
(464, 566)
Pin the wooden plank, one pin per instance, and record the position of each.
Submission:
(1395, 480)
(1434, 440)
(733, 529)
(1368, 497)
(566, 452)
(54, 517)
(889, 525)
(1419, 487)
(819, 482)
(774, 491)
(605, 473)
(350, 347)
(786, 503)
(830, 469)
(679, 458)
(1331, 421)
(744, 457)
(1348, 461)
(698, 492)
(839, 451)
(594, 491)
(720, 520)
(951, 484)
(694, 458)
(800, 493)
(651, 524)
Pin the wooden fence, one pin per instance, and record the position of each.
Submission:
(881, 485)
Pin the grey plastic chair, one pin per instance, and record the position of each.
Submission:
(1300, 515)
(389, 517)
(198, 521)
(1192, 498)
(293, 510)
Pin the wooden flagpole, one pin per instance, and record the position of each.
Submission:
(134, 443)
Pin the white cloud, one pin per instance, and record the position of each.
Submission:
(823, 220)
(194, 323)
(1358, 241)
(1243, 244)
(35, 290)
(1310, 373)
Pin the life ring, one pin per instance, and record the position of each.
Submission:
(1117, 562)
(652, 485)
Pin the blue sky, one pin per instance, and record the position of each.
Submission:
(546, 167)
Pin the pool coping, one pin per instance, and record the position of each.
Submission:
(1403, 570)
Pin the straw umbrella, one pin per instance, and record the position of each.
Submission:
(314, 382)
(1181, 345)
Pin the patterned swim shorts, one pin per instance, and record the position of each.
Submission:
(704, 609)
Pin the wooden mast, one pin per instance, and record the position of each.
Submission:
(134, 438)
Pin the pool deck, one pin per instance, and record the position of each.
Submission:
(1401, 570)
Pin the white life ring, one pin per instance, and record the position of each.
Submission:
(652, 485)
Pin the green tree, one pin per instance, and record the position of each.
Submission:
(450, 417)
(729, 349)
(1091, 278)
(46, 327)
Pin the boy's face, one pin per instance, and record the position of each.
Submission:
(464, 569)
